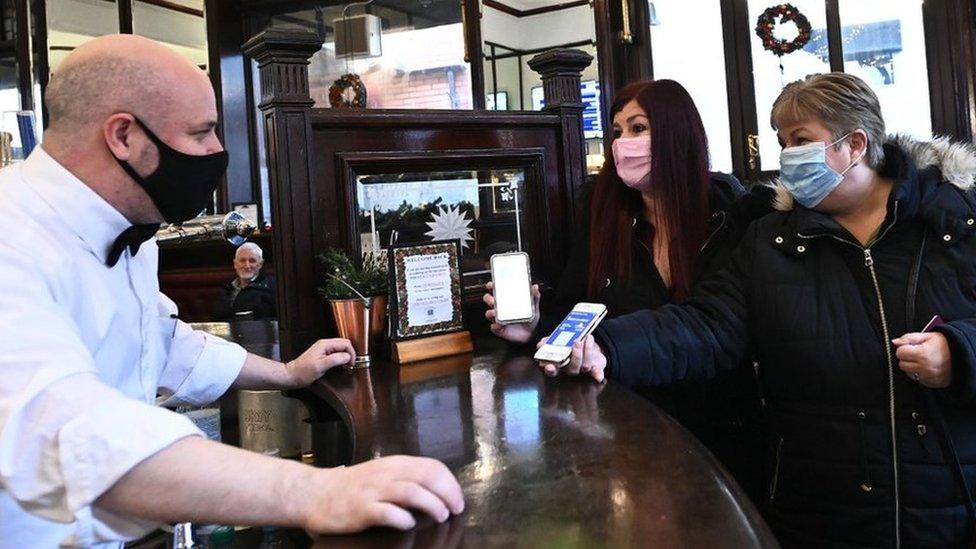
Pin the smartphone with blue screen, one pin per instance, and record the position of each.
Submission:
(579, 323)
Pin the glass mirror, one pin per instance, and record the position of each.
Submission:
(481, 208)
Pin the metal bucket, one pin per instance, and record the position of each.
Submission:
(362, 323)
(269, 420)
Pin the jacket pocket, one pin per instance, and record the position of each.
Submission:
(866, 485)
(774, 481)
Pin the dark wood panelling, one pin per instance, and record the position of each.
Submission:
(738, 75)
(605, 63)
(560, 71)
(39, 61)
(471, 19)
(637, 53)
(283, 63)
(125, 16)
(835, 42)
(949, 37)
(345, 144)
(231, 81)
(22, 47)
(313, 156)
(936, 46)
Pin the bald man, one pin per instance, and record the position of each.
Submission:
(87, 342)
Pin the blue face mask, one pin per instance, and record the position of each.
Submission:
(805, 173)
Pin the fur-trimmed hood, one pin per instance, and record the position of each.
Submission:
(956, 161)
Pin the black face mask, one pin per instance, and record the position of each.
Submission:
(183, 184)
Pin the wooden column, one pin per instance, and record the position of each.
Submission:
(561, 72)
(282, 58)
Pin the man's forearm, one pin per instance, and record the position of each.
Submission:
(196, 480)
(261, 373)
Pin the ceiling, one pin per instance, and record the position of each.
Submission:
(530, 4)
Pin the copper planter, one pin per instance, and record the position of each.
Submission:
(362, 322)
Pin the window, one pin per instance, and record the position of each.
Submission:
(420, 65)
(503, 77)
(884, 44)
(71, 23)
(699, 65)
(180, 24)
(511, 38)
(772, 73)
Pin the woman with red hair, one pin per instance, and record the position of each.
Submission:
(657, 222)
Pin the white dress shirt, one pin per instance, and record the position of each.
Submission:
(84, 351)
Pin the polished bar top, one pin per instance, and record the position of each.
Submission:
(544, 462)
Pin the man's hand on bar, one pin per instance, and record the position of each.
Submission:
(262, 373)
(201, 481)
(382, 492)
(322, 356)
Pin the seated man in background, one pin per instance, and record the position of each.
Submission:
(88, 342)
(252, 294)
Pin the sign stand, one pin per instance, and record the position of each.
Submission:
(415, 350)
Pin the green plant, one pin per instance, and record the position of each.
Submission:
(342, 275)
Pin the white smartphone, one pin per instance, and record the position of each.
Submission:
(513, 288)
(579, 323)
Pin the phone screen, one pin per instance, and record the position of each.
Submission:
(513, 289)
(571, 328)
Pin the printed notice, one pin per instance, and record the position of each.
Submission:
(428, 285)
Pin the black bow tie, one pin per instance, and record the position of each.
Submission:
(131, 238)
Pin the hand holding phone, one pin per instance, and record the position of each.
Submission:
(512, 288)
(578, 324)
(513, 317)
(585, 358)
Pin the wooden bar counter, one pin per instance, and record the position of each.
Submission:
(544, 462)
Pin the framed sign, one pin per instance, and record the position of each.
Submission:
(426, 284)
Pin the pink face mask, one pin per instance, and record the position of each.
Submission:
(632, 156)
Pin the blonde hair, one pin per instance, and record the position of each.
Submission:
(843, 103)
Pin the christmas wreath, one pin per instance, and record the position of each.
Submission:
(347, 91)
(785, 13)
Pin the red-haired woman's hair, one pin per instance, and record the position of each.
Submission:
(679, 183)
